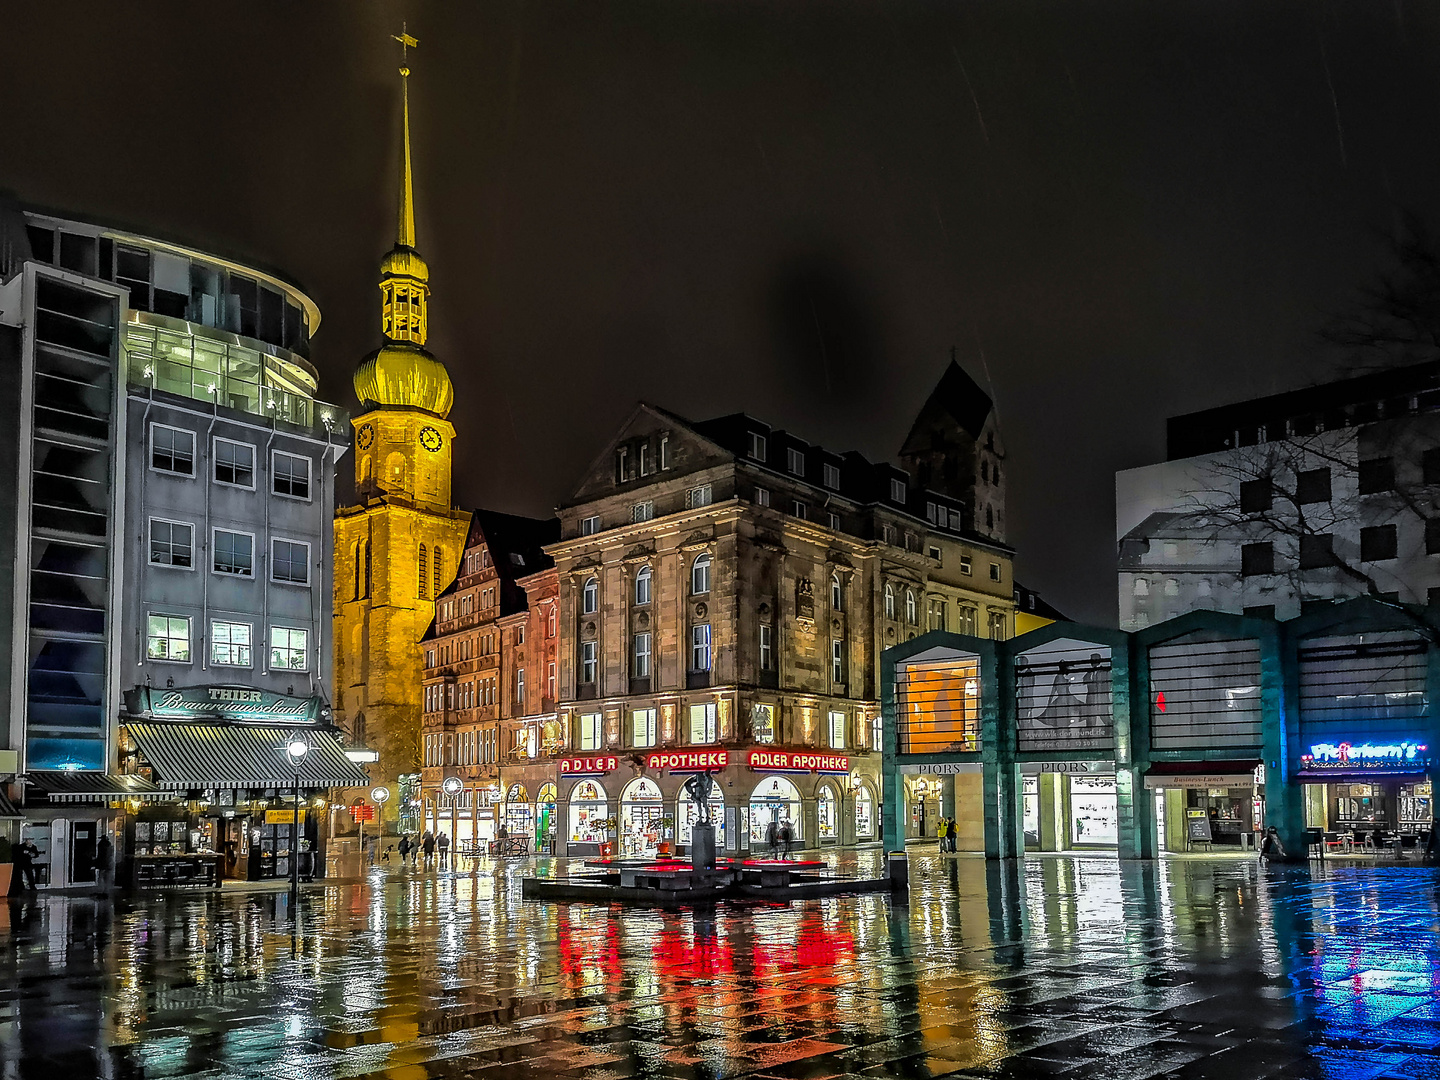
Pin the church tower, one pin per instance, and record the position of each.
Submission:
(399, 545)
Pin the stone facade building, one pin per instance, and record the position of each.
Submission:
(725, 592)
(486, 659)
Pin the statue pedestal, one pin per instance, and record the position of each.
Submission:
(702, 847)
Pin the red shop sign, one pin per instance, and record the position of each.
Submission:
(361, 811)
(588, 766)
(797, 761)
(688, 760)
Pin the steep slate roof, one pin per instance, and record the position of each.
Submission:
(517, 550)
(958, 396)
(1032, 603)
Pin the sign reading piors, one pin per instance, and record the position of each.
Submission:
(588, 766)
(688, 760)
(796, 761)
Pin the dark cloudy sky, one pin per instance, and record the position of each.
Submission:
(1114, 211)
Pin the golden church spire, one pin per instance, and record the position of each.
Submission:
(401, 372)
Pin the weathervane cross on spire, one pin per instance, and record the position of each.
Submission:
(406, 43)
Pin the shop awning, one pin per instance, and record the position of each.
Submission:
(1362, 776)
(1236, 773)
(234, 756)
(90, 787)
(7, 808)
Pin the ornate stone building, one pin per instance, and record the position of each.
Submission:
(397, 546)
(725, 591)
(489, 666)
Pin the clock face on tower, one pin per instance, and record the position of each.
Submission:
(430, 439)
(365, 436)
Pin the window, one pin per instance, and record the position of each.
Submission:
(641, 668)
(937, 614)
(837, 661)
(167, 637)
(588, 662)
(1257, 559)
(550, 681)
(234, 463)
(762, 496)
(967, 620)
(664, 451)
(887, 534)
(290, 475)
(702, 723)
(697, 497)
(642, 586)
(795, 461)
(230, 644)
(834, 521)
(934, 552)
(622, 464)
(912, 610)
(422, 568)
(837, 594)
(642, 511)
(644, 459)
(1317, 552)
(520, 686)
(767, 648)
(289, 649)
(700, 647)
(837, 731)
(999, 626)
(995, 571)
(1312, 486)
(234, 553)
(172, 543)
(966, 565)
(1377, 543)
(1377, 475)
(1255, 496)
(832, 476)
(552, 621)
(797, 509)
(590, 733)
(590, 597)
(520, 634)
(1141, 586)
(290, 562)
(757, 447)
(589, 526)
(897, 489)
(700, 575)
(762, 722)
(1172, 587)
(642, 728)
(877, 732)
(172, 450)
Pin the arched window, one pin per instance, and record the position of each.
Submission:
(590, 597)
(359, 569)
(837, 594)
(889, 601)
(367, 568)
(439, 558)
(423, 576)
(700, 575)
(912, 612)
(1142, 587)
(366, 469)
(642, 586)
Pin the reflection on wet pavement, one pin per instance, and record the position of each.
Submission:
(1059, 967)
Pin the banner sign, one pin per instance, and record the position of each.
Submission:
(939, 768)
(688, 760)
(588, 766)
(361, 811)
(235, 703)
(1366, 757)
(282, 817)
(1035, 768)
(797, 761)
(1201, 780)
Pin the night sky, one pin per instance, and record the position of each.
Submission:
(1113, 211)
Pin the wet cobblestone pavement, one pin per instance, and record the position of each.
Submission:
(1061, 967)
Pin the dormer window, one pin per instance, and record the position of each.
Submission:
(622, 464)
(897, 490)
(795, 462)
(832, 476)
(756, 451)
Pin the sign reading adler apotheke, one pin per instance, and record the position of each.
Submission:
(796, 761)
(220, 703)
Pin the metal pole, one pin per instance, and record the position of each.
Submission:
(295, 850)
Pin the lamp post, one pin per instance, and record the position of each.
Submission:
(295, 751)
(452, 787)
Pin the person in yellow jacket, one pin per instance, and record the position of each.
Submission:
(942, 831)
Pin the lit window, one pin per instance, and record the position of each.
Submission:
(700, 575)
(289, 649)
(700, 647)
(643, 729)
(234, 553)
(230, 644)
(234, 463)
(172, 543)
(837, 730)
(167, 637)
(702, 724)
(590, 734)
(290, 562)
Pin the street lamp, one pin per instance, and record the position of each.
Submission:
(295, 751)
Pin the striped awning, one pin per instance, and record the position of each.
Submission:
(7, 808)
(78, 786)
(235, 756)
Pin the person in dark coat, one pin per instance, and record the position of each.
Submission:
(1270, 847)
(104, 863)
(24, 856)
(427, 847)
(405, 847)
(772, 837)
(787, 836)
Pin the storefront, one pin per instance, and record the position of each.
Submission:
(545, 817)
(865, 810)
(1369, 793)
(519, 814)
(775, 800)
(1209, 804)
(642, 816)
(64, 814)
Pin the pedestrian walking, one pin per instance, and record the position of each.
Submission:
(941, 830)
(1270, 847)
(427, 847)
(772, 837)
(405, 847)
(24, 856)
(385, 855)
(104, 863)
(787, 836)
(444, 844)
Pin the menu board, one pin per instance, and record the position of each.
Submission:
(1197, 824)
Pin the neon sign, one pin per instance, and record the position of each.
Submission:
(1366, 755)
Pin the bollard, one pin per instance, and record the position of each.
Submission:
(897, 867)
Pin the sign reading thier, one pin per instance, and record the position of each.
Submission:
(796, 761)
(688, 760)
(588, 766)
